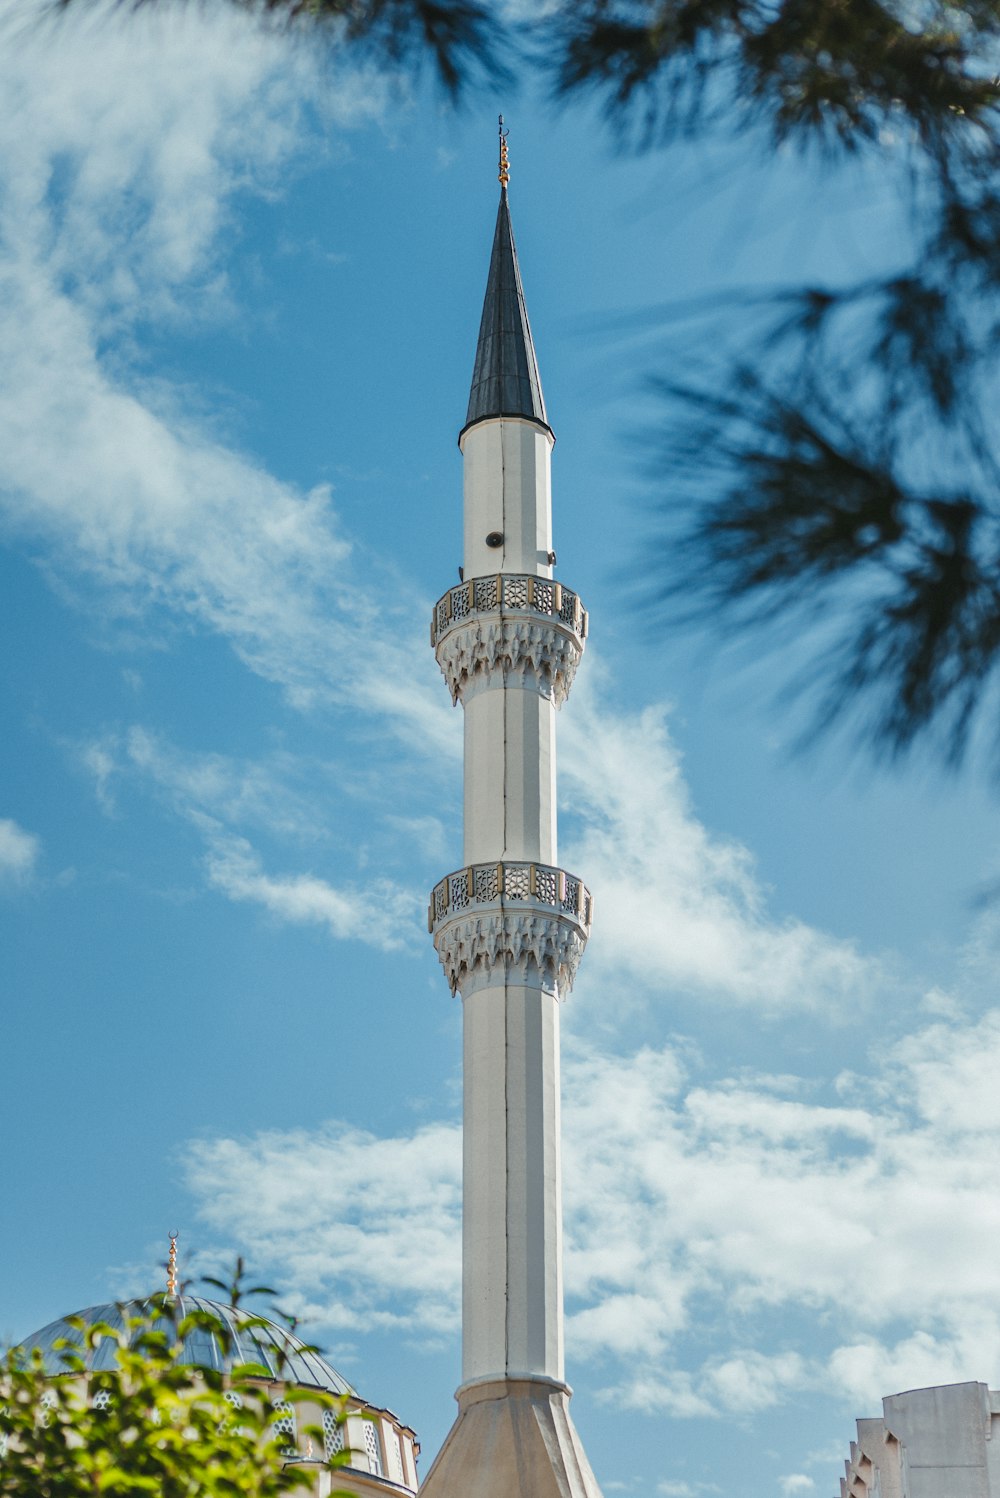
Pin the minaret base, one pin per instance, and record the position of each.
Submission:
(513, 1438)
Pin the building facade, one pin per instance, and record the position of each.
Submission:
(942, 1442)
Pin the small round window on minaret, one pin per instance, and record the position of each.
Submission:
(495, 538)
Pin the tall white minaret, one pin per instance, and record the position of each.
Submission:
(510, 927)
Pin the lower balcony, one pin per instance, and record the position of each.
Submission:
(531, 919)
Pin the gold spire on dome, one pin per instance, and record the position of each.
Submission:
(172, 1266)
(504, 176)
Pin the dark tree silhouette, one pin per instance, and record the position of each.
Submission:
(845, 462)
(842, 471)
(462, 40)
(839, 68)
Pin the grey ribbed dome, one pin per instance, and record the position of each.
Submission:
(267, 1349)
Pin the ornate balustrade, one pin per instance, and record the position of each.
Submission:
(511, 884)
(510, 914)
(508, 592)
(514, 622)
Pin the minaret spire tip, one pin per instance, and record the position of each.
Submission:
(505, 379)
(504, 175)
(172, 1265)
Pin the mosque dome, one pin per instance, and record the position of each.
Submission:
(381, 1451)
(265, 1349)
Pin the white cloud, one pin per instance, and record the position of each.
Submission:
(678, 908)
(366, 1230)
(127, 139)
(217, 793)
(796, 1482)
(19, 852)
(98, 758)
(380, 913)
(278, 792)
(706, 1215)
(678, 1488)
(670, 1391)
(876, 1214)
(746, 1382)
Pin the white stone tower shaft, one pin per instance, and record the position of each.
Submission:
(510, 927)
(512, 1233)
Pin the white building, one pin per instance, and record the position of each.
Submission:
(929, 1443)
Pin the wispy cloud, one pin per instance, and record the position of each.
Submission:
(277, 792)
(724, 1201)
(219, 795)
(732, 1197)
(366, 1230)
(679, 1488)
(679, 908)
(19, 853)
(133, 146)
(379, 913)
(128, 141)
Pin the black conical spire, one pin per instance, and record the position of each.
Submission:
(505, 378)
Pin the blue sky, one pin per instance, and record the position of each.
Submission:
(240, 288)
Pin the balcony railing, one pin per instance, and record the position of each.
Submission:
(522, 884)
(509, 592)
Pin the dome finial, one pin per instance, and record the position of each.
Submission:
(172, 1265)
(504, 176)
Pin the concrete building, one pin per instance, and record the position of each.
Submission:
(942, 1442)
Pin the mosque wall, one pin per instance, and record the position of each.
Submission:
(382, 1452)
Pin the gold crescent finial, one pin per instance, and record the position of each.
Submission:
(172, 1265)
(504, 176)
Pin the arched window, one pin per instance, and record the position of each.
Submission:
(395, 1457)
(373, 1448)
(333, 1434)
(284, 1425)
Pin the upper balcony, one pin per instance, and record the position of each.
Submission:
(509, 622)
